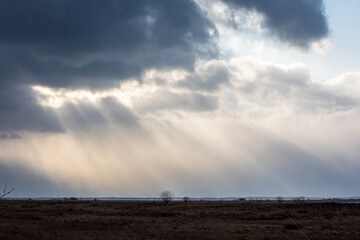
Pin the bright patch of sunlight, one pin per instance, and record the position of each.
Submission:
(56, 98)
(152, 81)
(322, 46)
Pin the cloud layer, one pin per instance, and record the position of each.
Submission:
(273, 131)
(65, 43)
(89, 44)
(132, 97)
(297, 22)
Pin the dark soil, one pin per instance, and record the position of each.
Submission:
(178, 220)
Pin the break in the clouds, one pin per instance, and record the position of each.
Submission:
(299, 23)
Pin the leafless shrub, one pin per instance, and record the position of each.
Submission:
(166, 196)
(186, 199)
(5, 192)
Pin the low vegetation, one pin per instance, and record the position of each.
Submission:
(61, 219)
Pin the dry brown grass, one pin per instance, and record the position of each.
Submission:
(177, 220)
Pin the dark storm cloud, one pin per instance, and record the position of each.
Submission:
(9, 135)
(59, 41)
(89, 44)
(62, 27)
(299, 22)
(19, 111)
(19, 66)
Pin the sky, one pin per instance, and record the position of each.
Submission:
(204, 98)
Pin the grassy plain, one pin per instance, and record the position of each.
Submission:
(178, 220)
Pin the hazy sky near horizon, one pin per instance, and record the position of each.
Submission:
(204, 98)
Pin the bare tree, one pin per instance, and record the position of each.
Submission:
(166, 196)
(186, 199)
(5, 192)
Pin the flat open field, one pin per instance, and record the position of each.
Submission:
(178, 220)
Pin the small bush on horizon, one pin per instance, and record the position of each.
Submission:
(166, 196)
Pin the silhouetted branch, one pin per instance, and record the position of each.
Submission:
(6, 192)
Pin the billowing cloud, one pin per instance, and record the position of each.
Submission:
(297, 22)
(347, 83)
(89, 44)
(66, 43)
(66, 28)
(96, 45)
(208, 77)
(21, 67)
(291, 86)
